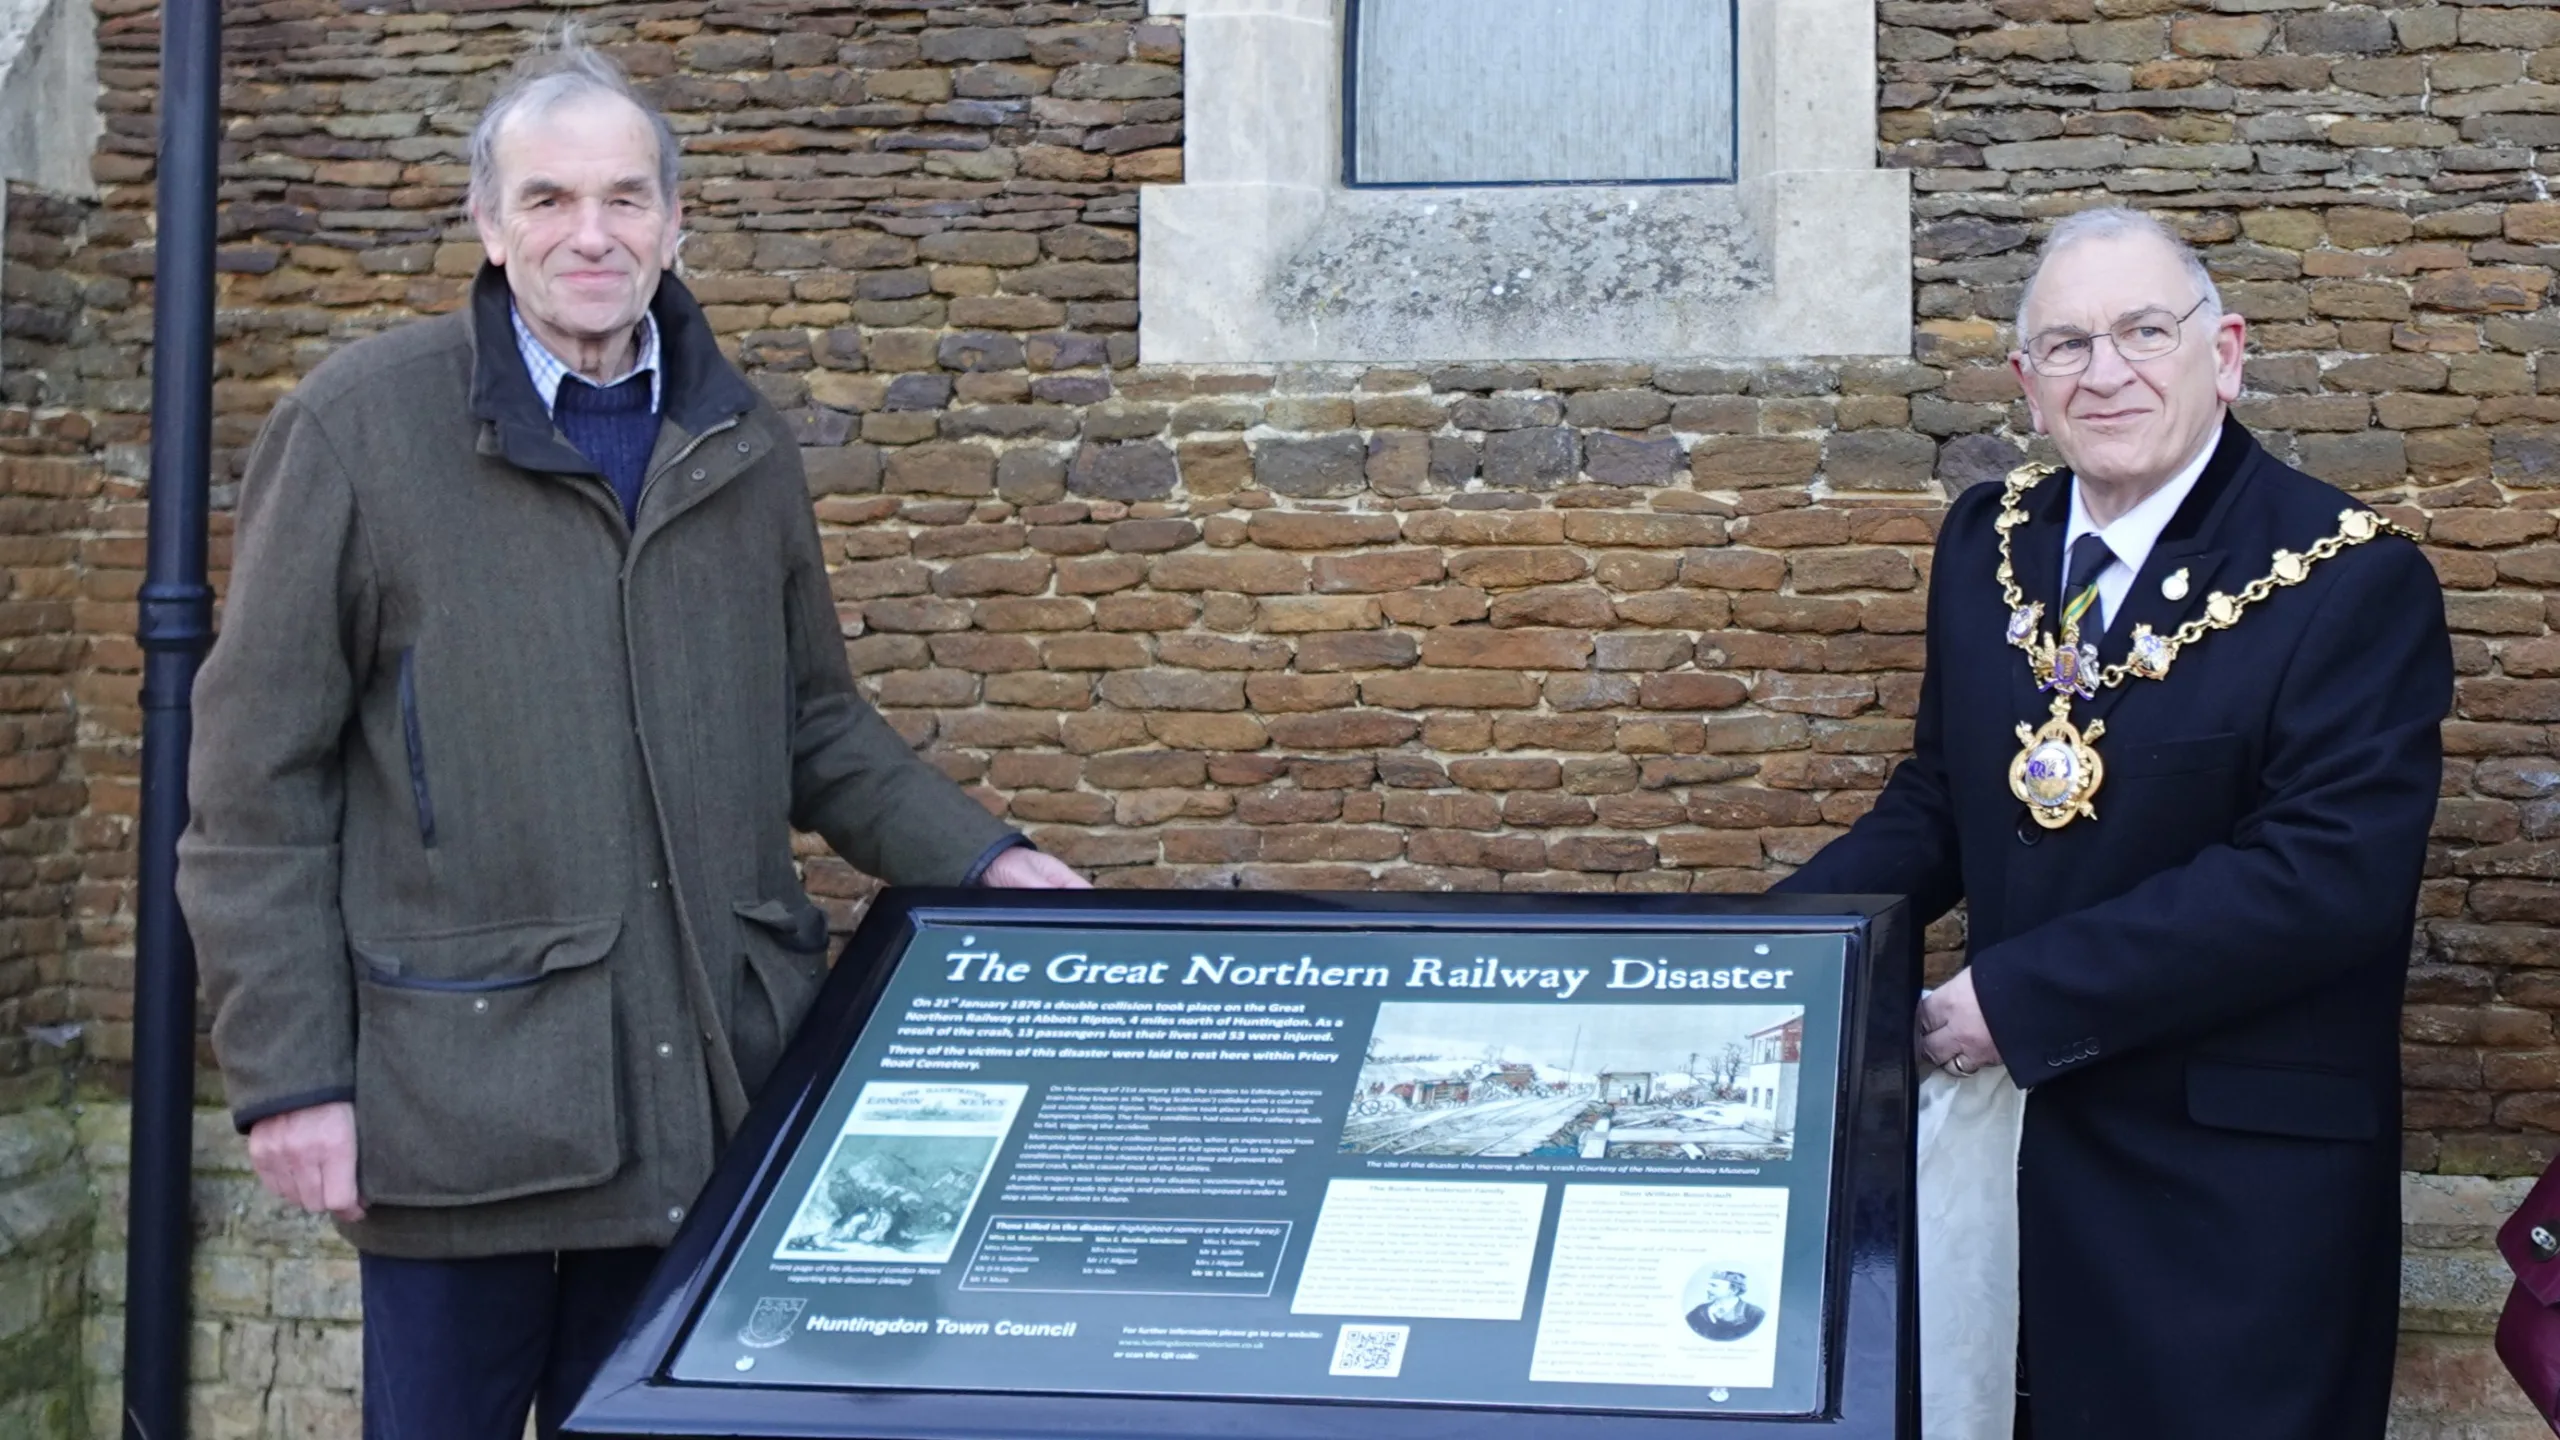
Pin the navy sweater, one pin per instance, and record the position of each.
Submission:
(614, 427)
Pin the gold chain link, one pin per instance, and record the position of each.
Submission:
(2222, 611)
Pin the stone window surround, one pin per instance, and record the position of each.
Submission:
(1823, 236)
(49, 118)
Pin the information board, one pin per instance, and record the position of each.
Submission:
(1552, 1158)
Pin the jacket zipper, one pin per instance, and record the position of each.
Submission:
(728, 1097)
(409, 733)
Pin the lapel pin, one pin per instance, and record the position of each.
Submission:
(2175, 587)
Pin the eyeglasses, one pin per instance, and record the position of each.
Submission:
(2142, 335)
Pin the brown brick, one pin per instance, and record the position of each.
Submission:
(2488, 698)
(1484, 527)
(1733, 570)
(1210, 845)
(1245, 574)
(1638, 570)
(1343, 730)
(1287, 530)
(1521, 774)
(1704, 848)
(1879, 460)
(1581, 606)
(1449, 690)
(2447, 454)
(1470, 648)
(1492, 852)
(2220, 35)
(1789, 529)
(1504, 569)
(1207, 731)
(1641, 651)
(1600, 852)
(1299, 614)
(1173, 690)
(1516, 731)
(1373, 650)
(1093, 652)
(1691, 691)
(1436, 605)
(1735, 807)
(1041, 613)
(1443, 812)
(2537, 223)
(1384, 570)
(995, 575)
(1812, 614)
(1300, 693)
(2482, 289)
(942, 470)
(1611, 527)
(986, 653)
(1818, 572)
(1726, 462)
(1837, 696)
(2489, 529)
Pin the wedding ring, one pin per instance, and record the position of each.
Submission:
(1959, 1064)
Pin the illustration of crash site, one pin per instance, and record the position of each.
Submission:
(1616, 1082)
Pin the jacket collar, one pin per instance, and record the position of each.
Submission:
(701, 388)
(2191, 542)
(2188, 542)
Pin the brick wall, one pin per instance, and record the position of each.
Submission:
(1516, 625)
(46, 1208)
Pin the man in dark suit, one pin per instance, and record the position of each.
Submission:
(2188, 814)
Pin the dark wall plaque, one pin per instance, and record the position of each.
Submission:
(1281, 1165)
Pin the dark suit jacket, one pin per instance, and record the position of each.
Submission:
(2202, 985)
(1702, 1319)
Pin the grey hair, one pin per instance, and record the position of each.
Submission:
(567, 69)
(2115, 222)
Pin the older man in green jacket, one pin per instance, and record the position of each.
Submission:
(528, 672)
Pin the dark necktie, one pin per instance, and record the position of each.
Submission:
(2089, 555)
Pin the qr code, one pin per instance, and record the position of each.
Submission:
(1370, 1350)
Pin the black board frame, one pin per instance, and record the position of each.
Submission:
(1872, 1344)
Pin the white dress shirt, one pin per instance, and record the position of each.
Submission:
(2132, 535)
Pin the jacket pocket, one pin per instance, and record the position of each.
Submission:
(415, 743)
(784, 945)
(2281, 1100)
(485, 1063)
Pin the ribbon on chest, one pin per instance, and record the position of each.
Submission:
(2057, 771)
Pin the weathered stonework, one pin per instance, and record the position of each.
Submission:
(1262, 254)
(277, 1353)
(46, 1215)
(49, 116)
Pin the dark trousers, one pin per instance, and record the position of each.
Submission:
(460, 1349)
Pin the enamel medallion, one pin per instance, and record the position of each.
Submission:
(2056, 772)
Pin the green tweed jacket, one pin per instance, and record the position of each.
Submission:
(493, 794)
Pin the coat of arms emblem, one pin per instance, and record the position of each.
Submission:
(771, 1323)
